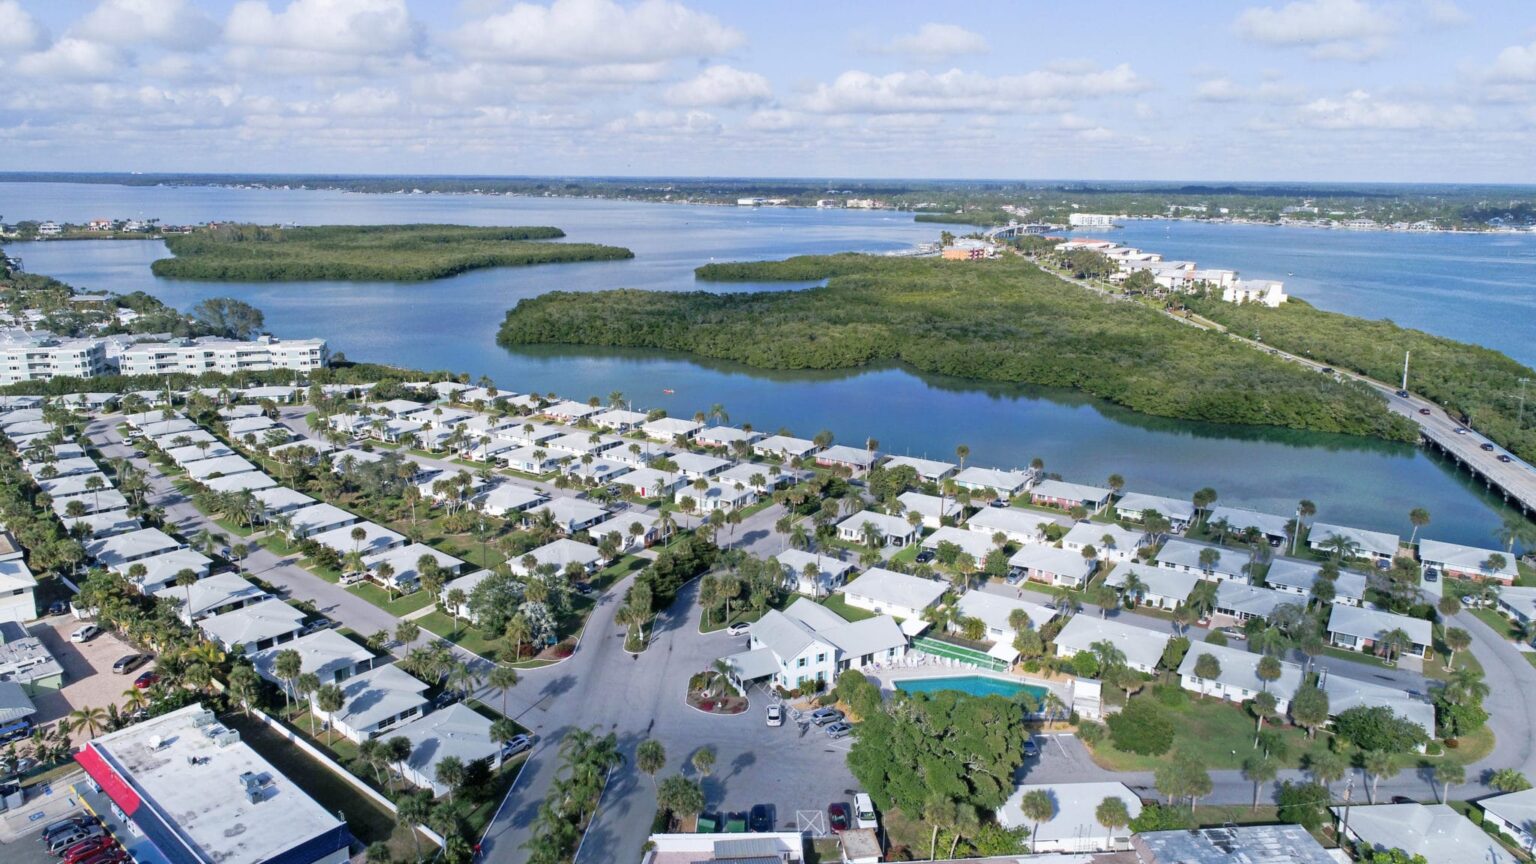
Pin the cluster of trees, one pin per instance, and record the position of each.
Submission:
(253, 253)
(744, 583)
(1003, 320)
(585, 760)
(1478, 384)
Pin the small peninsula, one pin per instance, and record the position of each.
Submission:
(394, 253)
(1002, 320)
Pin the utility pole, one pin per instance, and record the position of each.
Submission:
(1405, 369)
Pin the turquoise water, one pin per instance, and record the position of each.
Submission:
(451, 324)
(975, 685)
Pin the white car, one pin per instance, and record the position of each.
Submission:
(85, 634)
(740, 628)
(776, 715)
(864, 815)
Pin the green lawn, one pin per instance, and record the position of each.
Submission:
(398, 607)
(461, 633)
(1221, 732)
(838, 604)
(1499, 623)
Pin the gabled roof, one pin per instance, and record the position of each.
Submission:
(796, 559)
(1469, 559)
(1049, 559)
(1093, 534)
(1174, 509)
(1238, 519)
(891, 526)
(846, 455)
(973, 543)
(994, 609)
(896, 589)
(1435, 831)
(1370, 624)
(1241, 597)
(248, 624)
(217, 590)
(379, 694)
(1022, 524)
(928, 469)
(1173, 584)
(323, 652)
(1374, 542)
(993, 478)
(1299, 574)
(1063, 490)
(1140, 645)
(1239, 668)
(1186, 553)
(560, 553)
(458, 731)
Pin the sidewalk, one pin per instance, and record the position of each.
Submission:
(51, 802)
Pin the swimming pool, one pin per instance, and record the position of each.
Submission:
(975, 685)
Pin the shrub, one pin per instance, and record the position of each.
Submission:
(1085, 665)
(1142, 728)
(1091, 732)
(1170, 696)
(1160, 817)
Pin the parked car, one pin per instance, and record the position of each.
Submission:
(740, 628)
(763, 818)
(1326, 370)
(58, 607)
(21, 765)
(1233, 632)
(1031, 747)
(776, 715)
(840, 729)
(85, 634)
(444, 699)
(1403, 799)
(823, 716)
(1424, 411)
(515, 745)
(864, 815)
(1461, 430)
(147, 680)
(68, 839)
(88, 848)
(128, 663)
(838, 816)
(53, 830)
(998, 502)
(110, 855)
(1431, 576)
(16, 731)
(924, 556)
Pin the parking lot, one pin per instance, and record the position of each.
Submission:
(88, 677)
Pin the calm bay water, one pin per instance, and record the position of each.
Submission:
(451, 324)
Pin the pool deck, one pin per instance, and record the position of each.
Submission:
(888, 676)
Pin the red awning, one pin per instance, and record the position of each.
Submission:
(115, 788)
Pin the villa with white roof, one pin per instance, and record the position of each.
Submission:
(1058, 493)
(1019, 525)
(887, 592)
(376, 539)
(1143, 648)
(973, 543)
(1073, 828)
(1239, 520)
(317, 519)
(725, 436)
(994, 611)
(1004, 484)
(457, 731)
(928, 470)
(1467, 562)
(1110, 541)
(326, 654)
(18, 592)
(666, 429)
(650, 483)
(161, 570)
(1369, 544)
(931, 508)
(1132, 505)
(893, 530)
(617, 419)
(1241, 601)
(571, 515)
(1346, 693)
(1184, 555)
(831, 572)
(377, 701)
(1362, 629)
(561, 554)
(1163, 589)
(785, 448)
(507, 497)
(1237, 678)
(854, 459)
(1296, 576)
(255, 627)
(1053, 566)
(215, 595)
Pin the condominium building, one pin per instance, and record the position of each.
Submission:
(214, 354)
(40, 356)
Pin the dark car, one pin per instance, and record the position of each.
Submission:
(763, 818)
(1424, 411)
(58, 607)
(838, 816)
(823, 716)
(147, 680)
(54, 830)
(127, 664)
(1403, 393)
(1487, 447)
(445, 698)
(1431, 576)
(1031, 748)
(1403, 799)
(924, 556)
(1504, 457)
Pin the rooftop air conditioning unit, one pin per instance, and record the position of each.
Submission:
(204, 718)
(252, 784)
(223, 736)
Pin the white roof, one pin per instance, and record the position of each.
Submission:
(892, 526)
(1345, 693)
(844, 454)
(1239, 519)
(1075, 816)
(932, 506)
(618, 417)
(1006, 482)
(698, 463)
(1516, 808)
(1069, 491)
(796, 559)
(1373, 542)
(277, 499)
(110, 551)
(852, 638)
(323, 652)
(1434, 831)
(1238, 596)
(15, 576)
(1368, 623)
(559, 553)
(1240, 668)
(267, 619)
(649, 479)
(379, 694)
(785, 444)
(403, 559)
(217, 590)
(1173, 584)
(321, 515)
(994, 609)
(620, 523)
(896, 589)
(245, 425)
(246, 480)
(1186, 553)
(222, 465)
(727, 434)
(510, 496)
(457, 731)
(164, 567)
(973, 543)
(1141, 646)
(1469, 559)
(1059, 562)
(570, 510)
(1022, 524)
(928, 469)
(670, 426)
(1299, 574)
(376, 538)
(1174, 509)
(1093, 533)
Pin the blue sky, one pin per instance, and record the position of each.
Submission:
(1339, 90)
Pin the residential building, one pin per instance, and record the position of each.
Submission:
(892, 530)
(1237, 521)
(195, 792)
(247, 481)
(16, 710)
(842, 456)
(1090, 220)
(973, 543)
(1184, 555)
(1110, 541)
(1467, 562)
(831, 572)
(218, 467)
(130, 547)
(1362, 629)
(785, 448)
(758, 478)
(1297, 576)
(1238, 677)
(25, 660)
(787, 847)
(318, 519)
(1518, 602)
(163, 569)
(1074, 825)
(723, 496)
(326, 654)
(1266, 292)
(994, 611)
(215, 354)
(42, 357)
(1161, 588)
(617, 419)
(928, 470)
(1143, 648)
(667, 429)
(1346, 693)
(570, 515)
(254, 627)
(215, 595)
(280, 499)
(932, 509)
(623, 524)
(18, 592)
(376, 702)
(1019, 525)
(376, 538)
(1132, 505)
(1434, 831)
(1053, 566)
(698, 465)
(650, 483)
(1241, 601)
(1378, 545)
(808, 642)
(887, 592)
(725, 436)
(1058, 493)
(457, 731)
(1003, 484)
(1513, 813)
(405, 565)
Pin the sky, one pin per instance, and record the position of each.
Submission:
(1324, 90)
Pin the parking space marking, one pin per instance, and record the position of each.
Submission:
(811, 822)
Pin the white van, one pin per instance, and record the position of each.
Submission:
(864, 815)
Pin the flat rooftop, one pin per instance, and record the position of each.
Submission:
(191, 785)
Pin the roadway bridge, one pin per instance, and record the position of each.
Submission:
(1514, 480)
(1012, 230)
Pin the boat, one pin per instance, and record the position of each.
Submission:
(668, 390)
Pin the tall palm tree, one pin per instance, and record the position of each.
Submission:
(93, 721)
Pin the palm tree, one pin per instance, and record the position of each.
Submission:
(1378, 764)
(1305, 510)
(703, 760)
(1327, 766)
(502, 677)
(330, 699)
(450, 773)
(1418, 517)
(1449, 774)
(1037, 807)
(305, 685)
(650, 758)
(1112, 813)
(93, 721)
(1260, 768)
(414, 810)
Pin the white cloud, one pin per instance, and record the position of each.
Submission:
(904, 92)
(645, 122)
(1333, 29)
(135, 23)
(71, 59)
(1359, 110)
(721, 86)
(597, 32)
(935, 41)
(19, 31)
(775, 120)
(313, 35)
(1515, 65)
(1226, 90)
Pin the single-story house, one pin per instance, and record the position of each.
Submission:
(508, 497)
(221, 466)
(994, 610)
(1073, 826)
(1371, 544)
(1184, 555)
(1110, 541)
(784, 447)
(831, 572)
(1513, 813)
(1434, 831)
(161, 570)
(318, 518)
(281, 499)
(1239, 520)
(326, 654)
(696, 465)
(1466, 562)
(1361, 628)
(254, 627)
(569, 411)
(458, 731)
(376, 702)
(561, 553)
(1518, 602)
(570, 514)
(669, 428)
(1241, 601)
(16, 708)
(1053, 566)
(725, 436)
(532, 434)
(399, 408)
(854, 459)
(244, 426)
(932, 508)
(1237, 678)
(1143, 648)
(893, 530)
(650, 483)
(530, 459)
(809, 642)
(246, 481)
(1296, 576)
(376, 538)
(130, 547)
(1059, 493)
(1252, 844)
(623, 524)
(194, 453)
(973, 543)
(1345, 693)
(103, 524)
(1164, 589)
(583, 443)
(466, 583)
(723, 496)
(405, 562)
(928, 470)
(1021, 526)
(888, 592)
(1132, 505)
(214, 595)
(65, 467)
(1004, 484)
(78, 484)
(617, 419)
